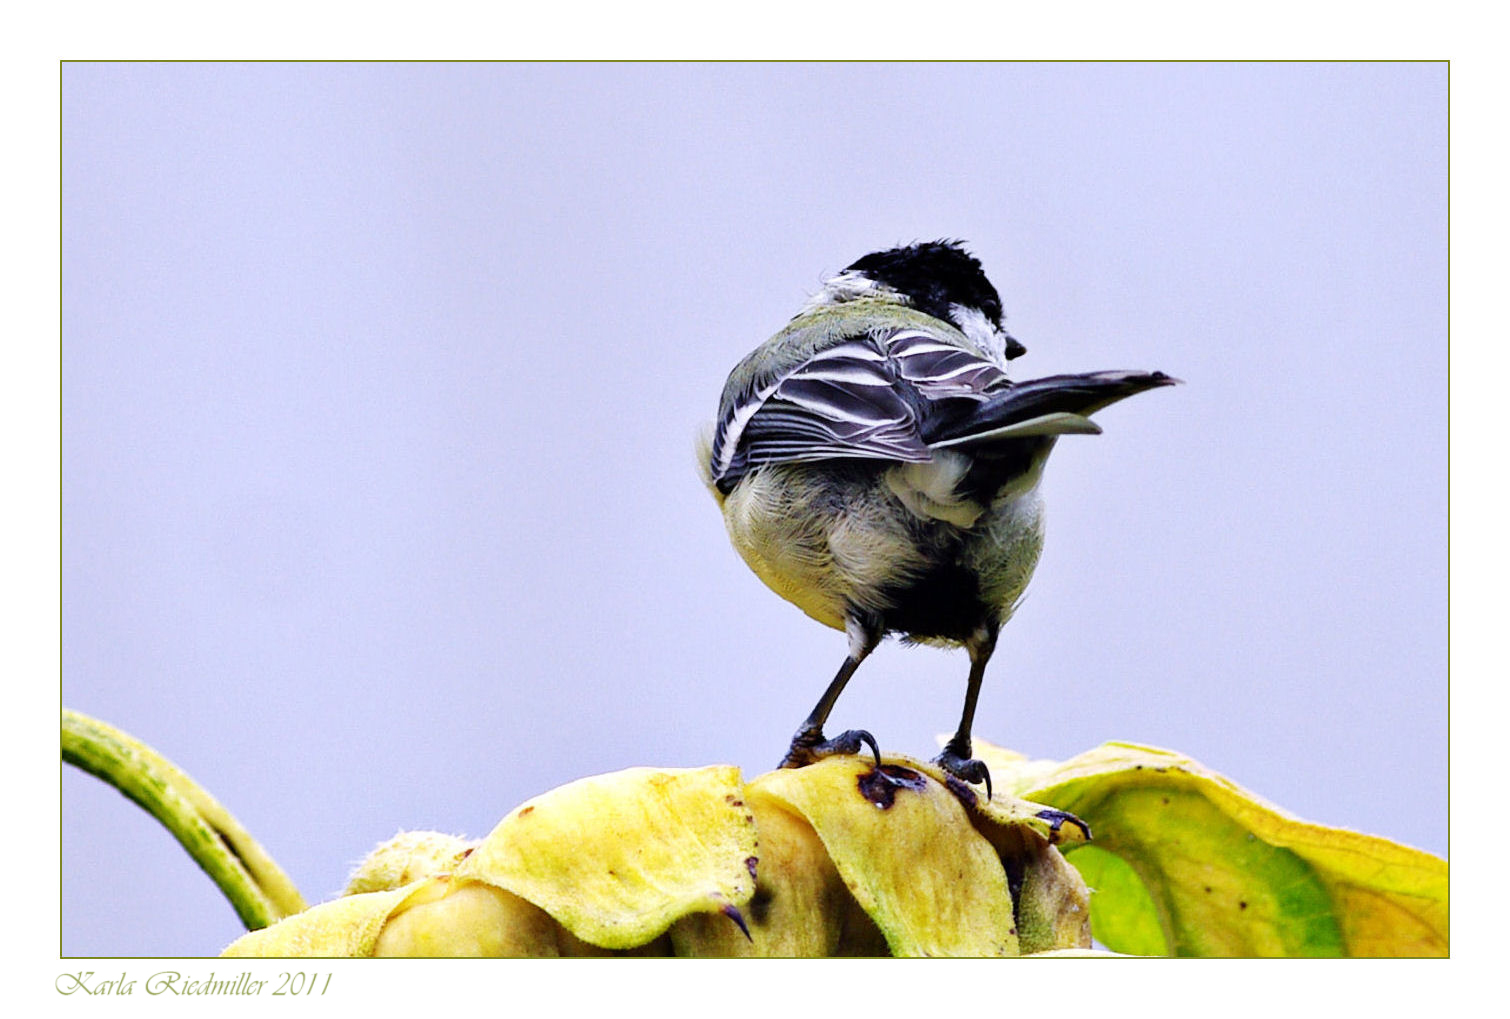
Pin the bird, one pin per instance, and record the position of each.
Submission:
(876, 468)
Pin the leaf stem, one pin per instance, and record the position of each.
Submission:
(257, 888)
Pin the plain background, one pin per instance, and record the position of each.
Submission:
(379, 384)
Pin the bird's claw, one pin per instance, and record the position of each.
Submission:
(809, 746)
(1057, 818)
(966, 769)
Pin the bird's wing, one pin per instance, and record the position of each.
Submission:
(863, 398)
(940, 370)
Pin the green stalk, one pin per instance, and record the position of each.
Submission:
(257, 888)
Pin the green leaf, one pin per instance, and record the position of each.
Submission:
(1122, 911)
(1222, 871)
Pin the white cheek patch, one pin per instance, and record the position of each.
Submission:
(979, 330)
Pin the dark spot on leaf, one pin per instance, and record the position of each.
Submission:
(751, 862)
(525, 810)
(961, 791)
(1242, 905)
(760, 905)
(880, 785)
(1208, 889)
(1164, 800)
(1016, 870)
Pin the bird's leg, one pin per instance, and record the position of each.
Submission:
(809, 744)
(956, 758)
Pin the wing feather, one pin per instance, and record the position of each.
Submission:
(863, 398)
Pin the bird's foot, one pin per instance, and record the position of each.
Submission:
(809, 746)
(963, 767)
(1058, 818)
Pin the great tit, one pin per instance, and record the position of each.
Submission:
(877, 469)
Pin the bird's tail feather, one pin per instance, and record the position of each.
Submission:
(1056, 405)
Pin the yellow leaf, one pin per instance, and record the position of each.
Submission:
(907, 852)
(406, 858)
(468, 919)
(616, 859)
(801, 907)
(345, 928)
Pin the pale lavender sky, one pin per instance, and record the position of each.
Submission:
(380, 383)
